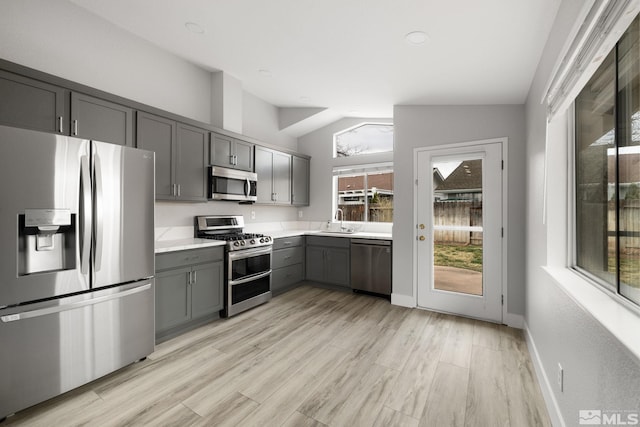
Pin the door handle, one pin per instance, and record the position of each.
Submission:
(421, 238)
(421, 226)
(99, 206)
(85, 182)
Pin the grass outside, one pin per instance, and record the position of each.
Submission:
(629, 269)
(467, 257)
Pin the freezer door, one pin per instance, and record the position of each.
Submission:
(55, 346)
(45, 227)
(123, 203)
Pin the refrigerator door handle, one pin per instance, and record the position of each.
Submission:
(85, 234)
(99, 220)
(71, 306)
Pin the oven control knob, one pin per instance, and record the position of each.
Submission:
(253, 241)
(236, 244)
(242, 243)
(261, 240)
(267, 239)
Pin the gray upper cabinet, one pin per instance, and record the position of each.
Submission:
(181, 153)
(32, 104)
(274, 176)
(93, 118)
(158, 134)
(232, 153)
(300, 181)
(191, 162)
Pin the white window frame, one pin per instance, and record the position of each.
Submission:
(358, 170)
(335, 152)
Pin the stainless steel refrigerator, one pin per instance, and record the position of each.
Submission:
(76, 263)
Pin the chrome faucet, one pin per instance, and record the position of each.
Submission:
(341, 218)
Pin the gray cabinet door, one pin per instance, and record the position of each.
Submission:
(221, 150)
(93, 118)
(338, 266)
(244, 155)
(282, 178)
(173, 298)
(31, 104)
(206, 290)
(315, 265)
(191, 163)
(232, 153)
(300, 181)
(158, 134)
(264, 169)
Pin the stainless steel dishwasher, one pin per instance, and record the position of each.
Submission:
(371, 266)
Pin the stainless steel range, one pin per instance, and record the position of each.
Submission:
(247, 261)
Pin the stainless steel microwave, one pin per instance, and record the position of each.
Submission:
(232, 184)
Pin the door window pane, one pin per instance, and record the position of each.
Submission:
(457, 226)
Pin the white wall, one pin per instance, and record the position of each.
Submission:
(599, 372)
(60, 38)
(319, 145)
(423, 126)
(260, 121)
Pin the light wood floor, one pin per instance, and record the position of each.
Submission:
(314, 357)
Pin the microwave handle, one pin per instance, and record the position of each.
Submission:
(247, 187)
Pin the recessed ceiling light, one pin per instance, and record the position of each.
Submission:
(305, 99)
(416, 37)
(194, 28)
(264, 72)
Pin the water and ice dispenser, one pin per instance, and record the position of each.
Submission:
(46, 241)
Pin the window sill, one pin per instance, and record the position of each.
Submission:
(621, 321)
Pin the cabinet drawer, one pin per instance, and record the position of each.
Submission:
(287, 242)
(189, 257)
(284, 277)
(334, 242)
(284, 257)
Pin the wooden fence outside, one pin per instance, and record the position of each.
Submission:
(461, 214)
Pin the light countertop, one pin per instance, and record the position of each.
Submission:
(193, 243)
(184, 244)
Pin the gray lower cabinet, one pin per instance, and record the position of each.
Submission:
(274, 176)
(93, 118)
(181, 157)
(287, 262)
(189, 289)
(230, 152)
(299, 181)
(328, 260)
(32, 104)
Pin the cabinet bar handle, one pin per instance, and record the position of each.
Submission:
(195, 277)
(231, 159)
(75, 127)
(189, 278)
(178, 185)
(60, 124)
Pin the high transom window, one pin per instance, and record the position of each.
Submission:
(366, 138)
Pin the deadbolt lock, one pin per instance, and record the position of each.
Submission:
(421, 226)
(421, 237)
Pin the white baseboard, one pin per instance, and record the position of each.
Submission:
(403, 300)
(543, 380)
(514, 320)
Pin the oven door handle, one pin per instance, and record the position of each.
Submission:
(249, 278)
(248, 253)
